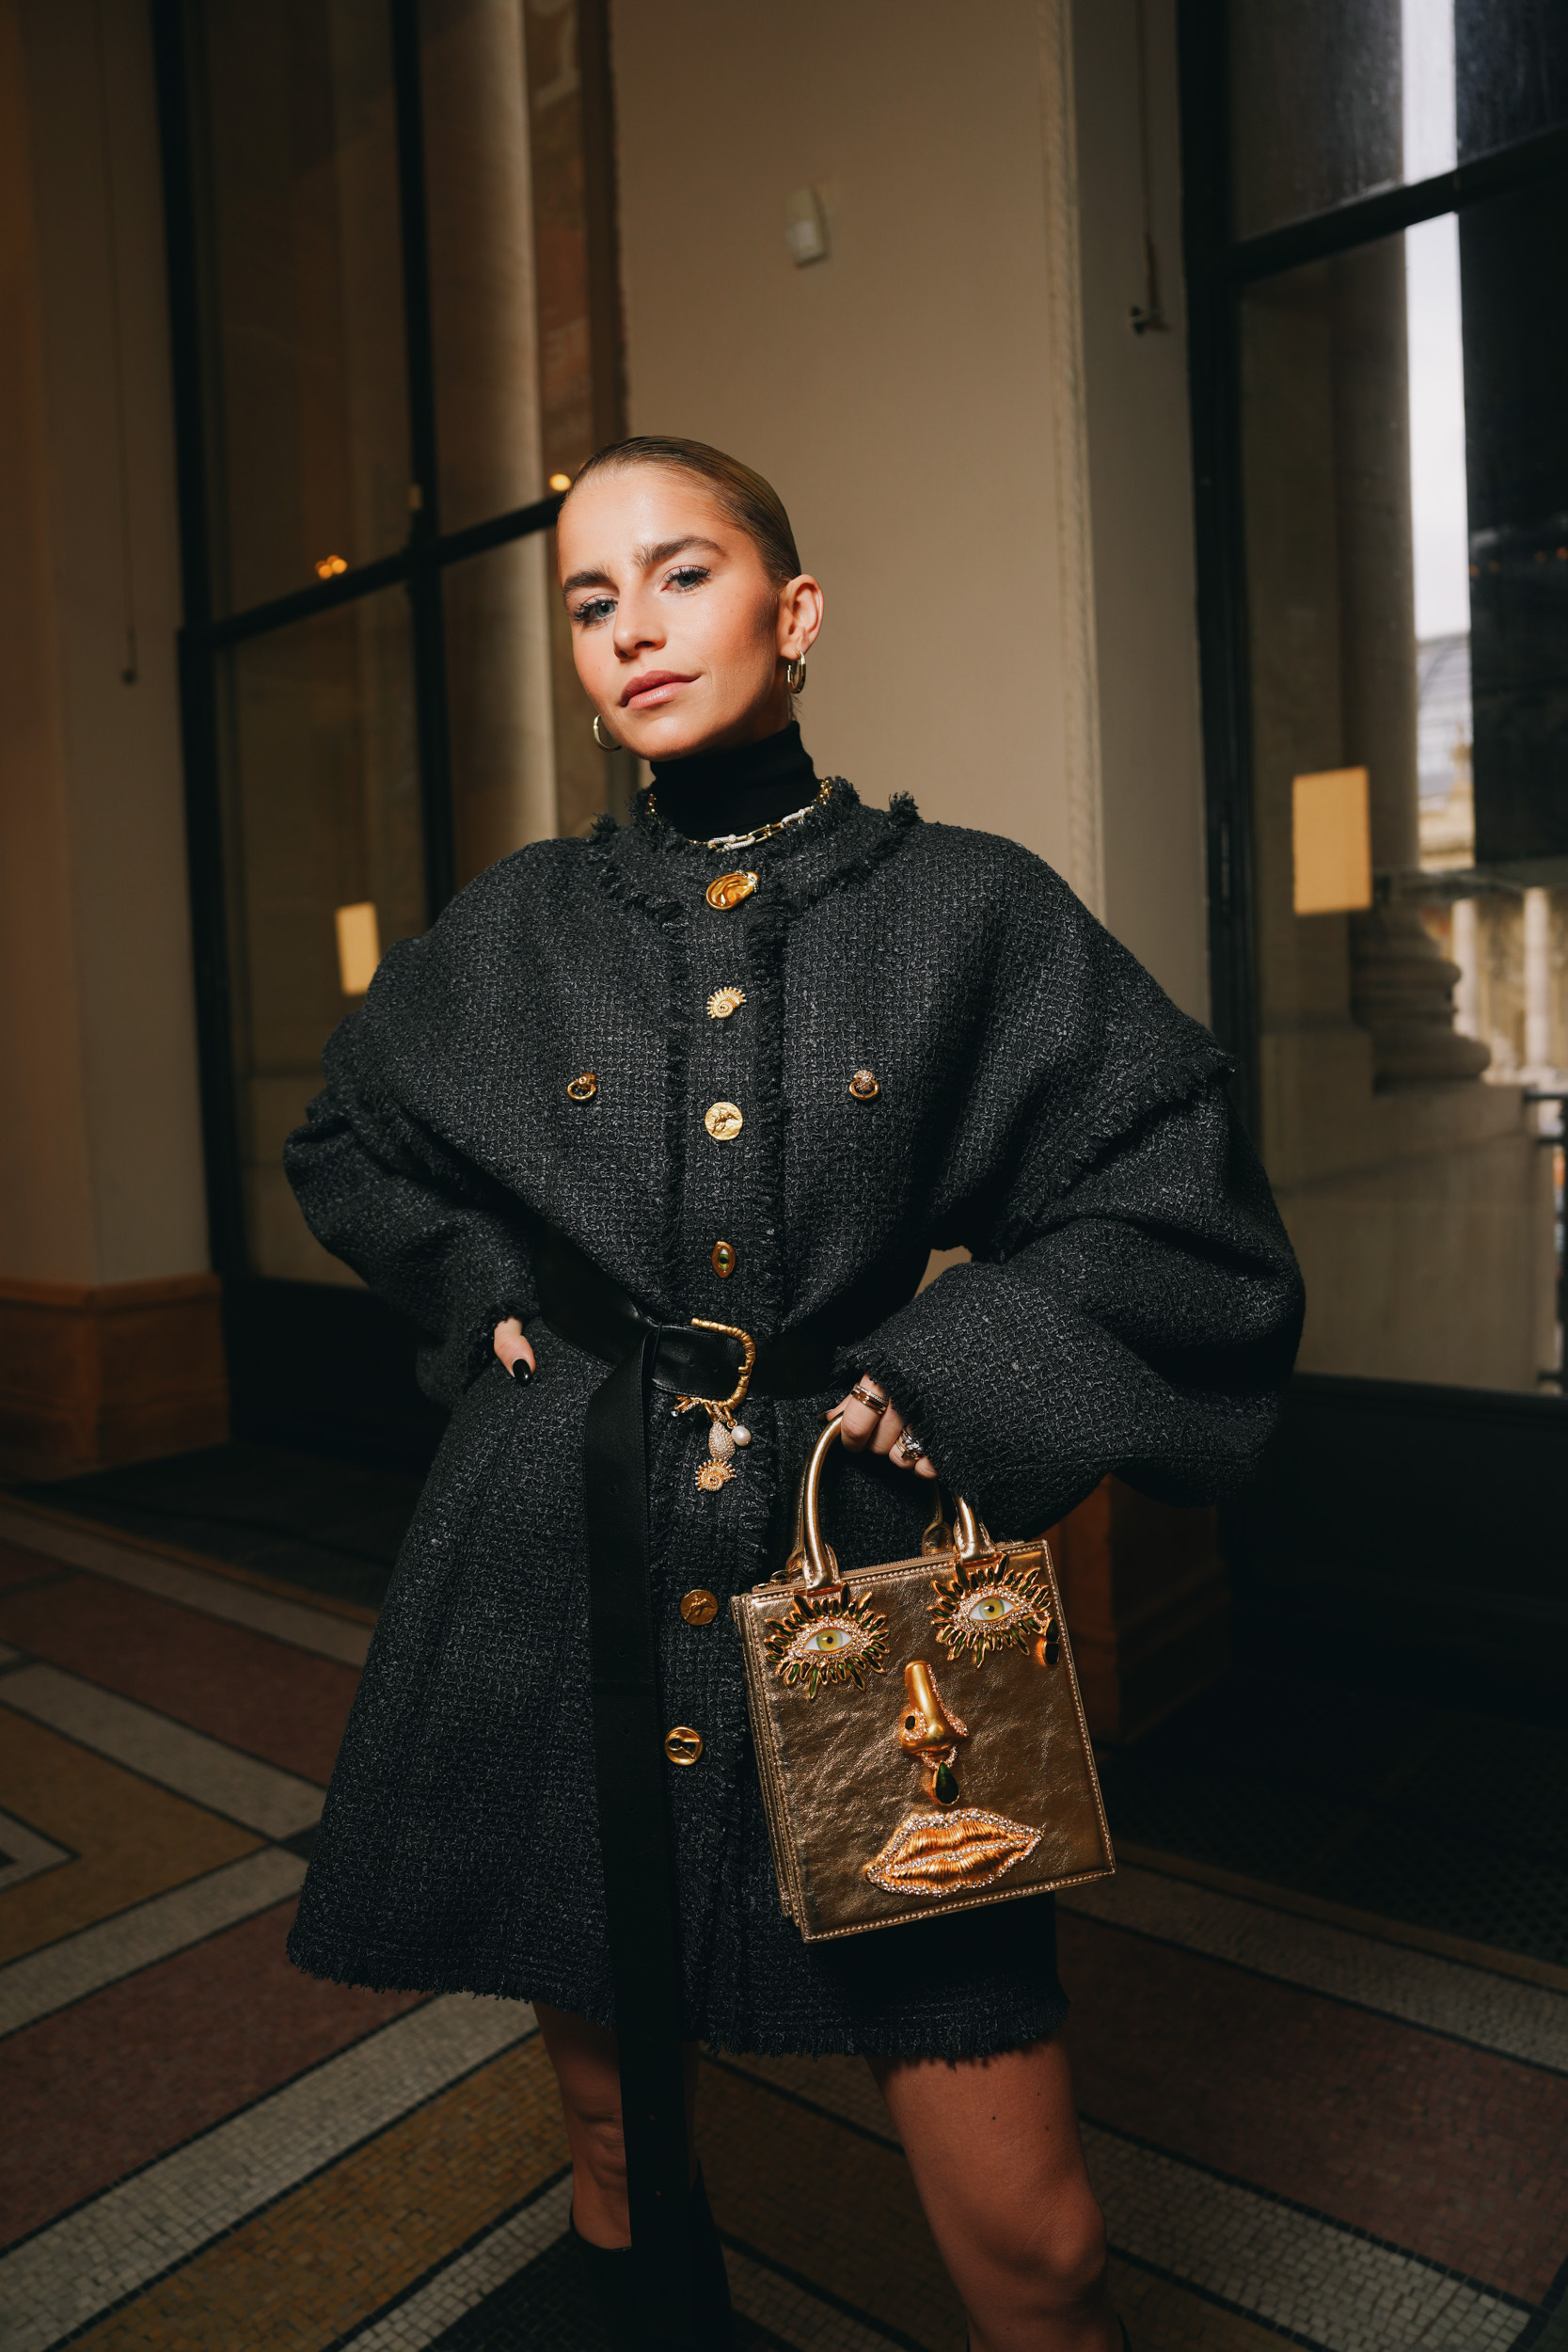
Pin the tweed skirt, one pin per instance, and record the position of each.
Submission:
(459, 1844)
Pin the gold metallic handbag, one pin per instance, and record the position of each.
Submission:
(919, 1733)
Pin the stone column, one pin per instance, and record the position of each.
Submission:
(476, 124)
(1401, 984)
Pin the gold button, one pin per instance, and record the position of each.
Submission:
(724, 1122)
(724, 1001)
(728, 890)
(683, 1745)
(723, 1260)
(862, 1085)
(584, 1088)
(698, 1607)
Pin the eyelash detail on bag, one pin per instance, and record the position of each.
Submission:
(829, 1639)
(1002, 1604)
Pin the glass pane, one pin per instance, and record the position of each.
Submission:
(323, 856)
(560, 237)
(307, 430)
(1334, 99)
(1409, 998)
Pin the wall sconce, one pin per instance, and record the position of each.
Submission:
(805, 228)
(1331, 836)
(358, 946)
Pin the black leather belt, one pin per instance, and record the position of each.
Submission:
(585, 1307)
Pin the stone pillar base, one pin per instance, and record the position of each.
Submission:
(121, 1372)
(1147, 1607)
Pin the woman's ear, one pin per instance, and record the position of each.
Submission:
(799, 614)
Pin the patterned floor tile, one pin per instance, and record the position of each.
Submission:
(130, 1841)
(239, 1686)
(243, 1787)
(367, 2230)
(1459, 2155)
(1477, 2005)
(98, 2089)
(323, 1628)
(103, 2253)
(94, 1957)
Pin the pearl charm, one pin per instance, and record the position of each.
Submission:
(741, 1435)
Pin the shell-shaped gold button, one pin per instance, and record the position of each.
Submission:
(700, 1607)
(584, 1088)
(683, 1745)
(862, 1085)
(723, 1260)
(724, 1122)
(728, 890)
(724, 1001)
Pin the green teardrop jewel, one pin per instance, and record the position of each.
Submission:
(945, 1786)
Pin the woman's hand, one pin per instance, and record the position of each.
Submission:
(513, 1350)
(881, 1427)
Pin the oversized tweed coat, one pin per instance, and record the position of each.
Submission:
(1133, 1306)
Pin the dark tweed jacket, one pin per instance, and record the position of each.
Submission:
(1133, 1306)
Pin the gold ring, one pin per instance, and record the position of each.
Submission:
(877, 1405)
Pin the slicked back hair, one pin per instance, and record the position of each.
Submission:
(751, 504)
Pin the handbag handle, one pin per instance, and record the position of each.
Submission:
(814, 1560)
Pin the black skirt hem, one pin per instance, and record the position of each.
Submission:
(973, 2029)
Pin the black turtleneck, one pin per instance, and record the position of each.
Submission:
(735, 791)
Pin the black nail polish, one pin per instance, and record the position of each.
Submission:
(521, 1368)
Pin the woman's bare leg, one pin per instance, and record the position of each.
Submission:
(587, 2070)
(994, 2146)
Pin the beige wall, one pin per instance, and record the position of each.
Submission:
(989, 476)
(100, 1162)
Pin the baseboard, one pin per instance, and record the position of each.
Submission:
(92, 1375)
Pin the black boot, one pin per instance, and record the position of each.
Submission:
(614, 2282)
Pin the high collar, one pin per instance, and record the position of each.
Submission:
(648, 864)
(736, 790)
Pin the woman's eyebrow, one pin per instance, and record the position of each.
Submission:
(645, 558)
(648, 557)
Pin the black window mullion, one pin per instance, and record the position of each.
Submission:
(198, 716)
(1214, 389)
(431, 728)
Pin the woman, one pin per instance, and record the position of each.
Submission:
(747, 1059)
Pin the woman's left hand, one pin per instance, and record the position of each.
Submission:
(865, 1425)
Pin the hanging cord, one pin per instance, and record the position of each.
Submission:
(1148, 317)
(130, 672)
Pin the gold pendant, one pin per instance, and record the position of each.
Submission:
(711, 1475)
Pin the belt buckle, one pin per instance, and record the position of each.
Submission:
(723, 1408)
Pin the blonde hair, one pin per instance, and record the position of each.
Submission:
(751, 504)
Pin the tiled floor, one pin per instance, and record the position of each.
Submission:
(1321, 2107)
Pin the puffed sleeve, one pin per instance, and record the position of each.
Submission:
(429, 1232)
(1143, 1322)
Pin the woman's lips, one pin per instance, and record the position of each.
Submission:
(646, 694)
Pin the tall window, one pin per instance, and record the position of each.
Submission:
(392, 287)
(1378, 211)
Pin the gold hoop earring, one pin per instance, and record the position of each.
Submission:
(795, 674)
(605, 742)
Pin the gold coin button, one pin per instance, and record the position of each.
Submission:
(862, 1085)
(724, 1001)
(698, 1607)
(584, 1088)
(723, 1260)
(724, 1122)
(728, 890)
(683, 1745)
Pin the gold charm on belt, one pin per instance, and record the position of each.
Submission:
(724, 1433)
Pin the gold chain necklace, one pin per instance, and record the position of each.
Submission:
(763, 833)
